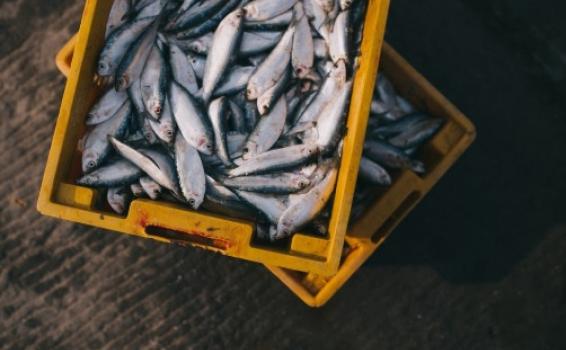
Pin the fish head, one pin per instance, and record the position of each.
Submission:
(263, 105)
(283, 230)
(89, 161)
(301, 182)
(168, 131)
(105, 66)
(249, 150)
(251, 92)
(195, 200)
(250, 11)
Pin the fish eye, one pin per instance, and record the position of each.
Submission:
(169, 133)
(91, 164)
(158, 109)
(123, 81)
(192, 202)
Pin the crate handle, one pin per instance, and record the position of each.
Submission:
(396, 216)
(185, 239)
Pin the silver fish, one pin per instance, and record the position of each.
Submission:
(165, 127)
(278, 159)
(391, 156)
(220, 199)
(338, 43)
(386, 92)
(272, 95)
(150, 187)
(254, 43)
(118, 42)
(320, 48)
(134, 92)
(96, 147)
(332, 84)
(235, 80)
(106, 107)
(416, 135)
(131, 66)
(224, 43)
(115, 173)
(217, 115)
(302, 56)
(154, 164)
(237, 118)
(118, 198)
(201, 45)
(182, 71)
(117, 16)
(407, 122)
(191, 172)
(272, 68)
(332, 119)
(261, 10)
(270, 205)
(198, 63)
(283, 183)
(318, 18)
(374, 173)
(267, 131)
(154, 83)
(191, 121)
(303, 207)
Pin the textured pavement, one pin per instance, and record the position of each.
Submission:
(480, 263)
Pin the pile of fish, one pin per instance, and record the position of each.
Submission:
(236, 107)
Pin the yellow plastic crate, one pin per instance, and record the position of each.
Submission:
(61, 198)
(367, 233)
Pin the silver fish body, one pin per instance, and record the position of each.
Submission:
(266, 101)
(283, 183)
(390, 156)
(267, 131)
(191, 172)
(97, 147)
(302, 56)
(154, 83)
(374, 173)
(417, 135)
(115, 173)
(106, 107)
(133, 63)
(338, 43)
(117, 16)
(118, 42)
(306, 206)
(278, 159)
(254, 43)
(332, 120)
(271, 70)
(182, 71)
(235, 80)
(191, 121)
(217, 114)
(276, 23)
(152, 163)
(224, 43)
(271, 206)
(165, 127)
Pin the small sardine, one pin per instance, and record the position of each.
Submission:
(131, 66)
(154, 83)
(417, 134)
(302, 57)
(391, 156)
(117, 16)
(165, 127)
(217, 114)
(267, 131)
(182, 71)
(235, 80)
(255, 43)
(283, 183)
(374, 173)
(106, 107)
(271, 70)
(96, 147)
(278, 159)
(191, 172)
(115, 173)
(271, 206)
(224, 43)
(191, 121)
(277, 23)
(338, 43)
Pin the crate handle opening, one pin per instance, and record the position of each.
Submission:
(396, 216)
(184, 239)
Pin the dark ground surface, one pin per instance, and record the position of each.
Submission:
(480, 264)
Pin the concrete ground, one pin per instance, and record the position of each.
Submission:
(480, 264)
